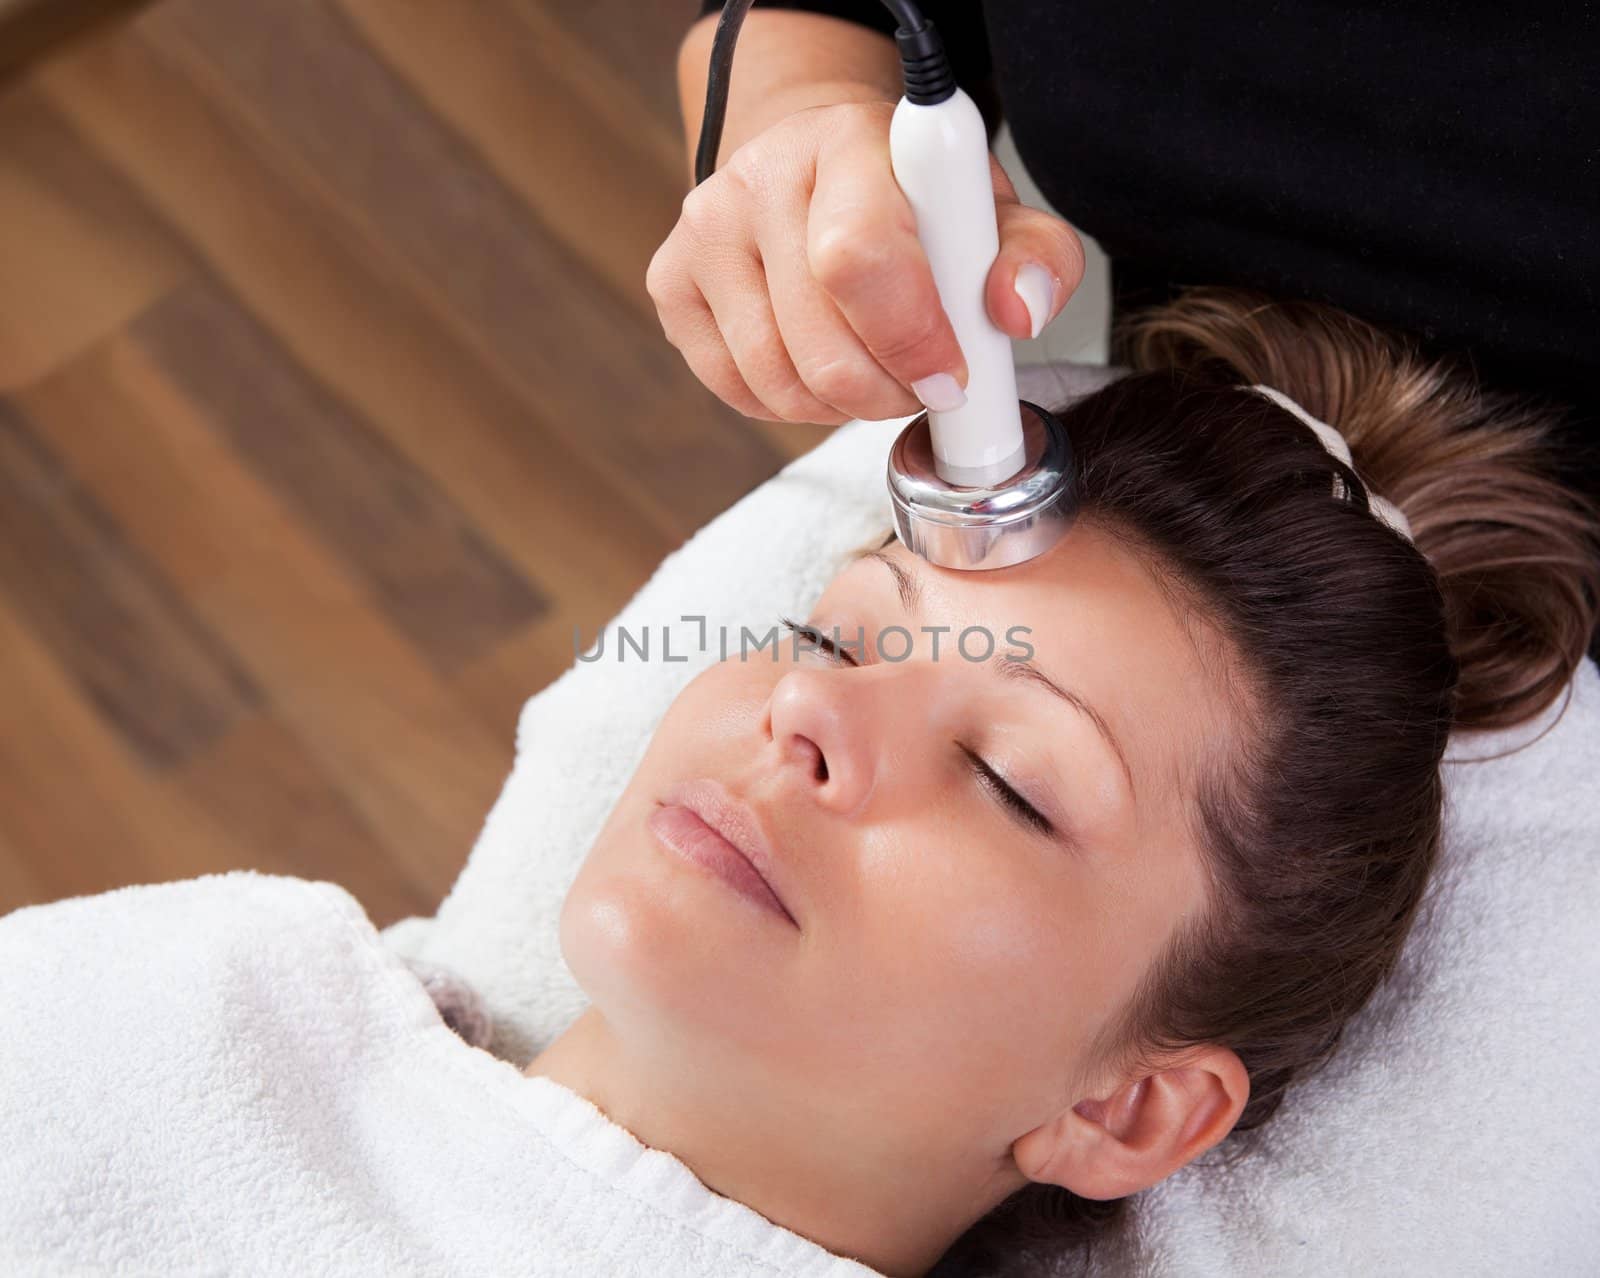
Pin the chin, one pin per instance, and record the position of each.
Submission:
(633, 941)
(656, 951)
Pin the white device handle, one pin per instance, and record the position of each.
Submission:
(940, 156)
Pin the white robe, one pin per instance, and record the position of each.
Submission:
(233, 1075)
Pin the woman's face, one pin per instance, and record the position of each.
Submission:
(950, 960)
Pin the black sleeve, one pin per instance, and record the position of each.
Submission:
(960, 24)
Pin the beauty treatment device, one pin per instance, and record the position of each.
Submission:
(988, 484)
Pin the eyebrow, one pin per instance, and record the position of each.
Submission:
(910, 589)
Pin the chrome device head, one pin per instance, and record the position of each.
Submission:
(984, 527)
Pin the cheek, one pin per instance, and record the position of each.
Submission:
(962, 967)
(722, 704)
(717, 712)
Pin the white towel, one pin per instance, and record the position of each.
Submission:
(1455, 1131)
(232, 1075)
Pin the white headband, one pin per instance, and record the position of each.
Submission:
(1335, 443)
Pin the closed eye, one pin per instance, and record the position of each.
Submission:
(819, 639)
(996, 785)
(991, 780)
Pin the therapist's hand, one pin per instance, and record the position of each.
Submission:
(795, 287)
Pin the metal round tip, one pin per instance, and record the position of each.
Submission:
(993, 526)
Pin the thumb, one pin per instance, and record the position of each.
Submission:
(1039, 265)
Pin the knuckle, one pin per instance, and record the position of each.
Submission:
(657, 276)
(920, 332)
(1079, 259)
(837, 381)
(699, 205)
(793, 398)
(732, 391)
(843, 255)
(673, 337)
(1070, 251)
(736, 397)
(786, 391)
(748, 171)
(1071, 246)
(861, 119)
(723, 380)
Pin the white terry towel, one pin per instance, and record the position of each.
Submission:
(232, 1075)
(1455, 1131)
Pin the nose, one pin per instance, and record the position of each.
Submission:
(822, 738)
(836, 730)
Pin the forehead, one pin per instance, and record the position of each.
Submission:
(1099, 620)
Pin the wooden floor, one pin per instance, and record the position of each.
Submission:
(331, 401)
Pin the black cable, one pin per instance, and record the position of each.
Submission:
(705, 156)
(906, 14)
(923, 65)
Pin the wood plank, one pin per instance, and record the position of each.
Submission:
(33, 29)
(644, 49)
(153, 671)
(500, 681)
(415, 765)
(73, 801)
(602, 168)
(302, 72)
(261, 783)
(80, 254)
(630, 79)
(20, 880)
(541, 108)
(362, 329)
(76, 818)
(536, 100)
(169, 156)
(434, 574)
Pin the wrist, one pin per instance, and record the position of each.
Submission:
(786, 61)
(802, 97)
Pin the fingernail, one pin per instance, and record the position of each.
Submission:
(1036, 287)
(940, 392)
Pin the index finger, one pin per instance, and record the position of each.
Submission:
(862, 247)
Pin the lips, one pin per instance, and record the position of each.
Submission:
(736, 822)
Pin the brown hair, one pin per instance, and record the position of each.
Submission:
(1356, 655)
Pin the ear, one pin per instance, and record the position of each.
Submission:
(1142, 1132)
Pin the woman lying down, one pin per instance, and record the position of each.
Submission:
(1029, 940)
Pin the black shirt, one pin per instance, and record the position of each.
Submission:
(1432, 168)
